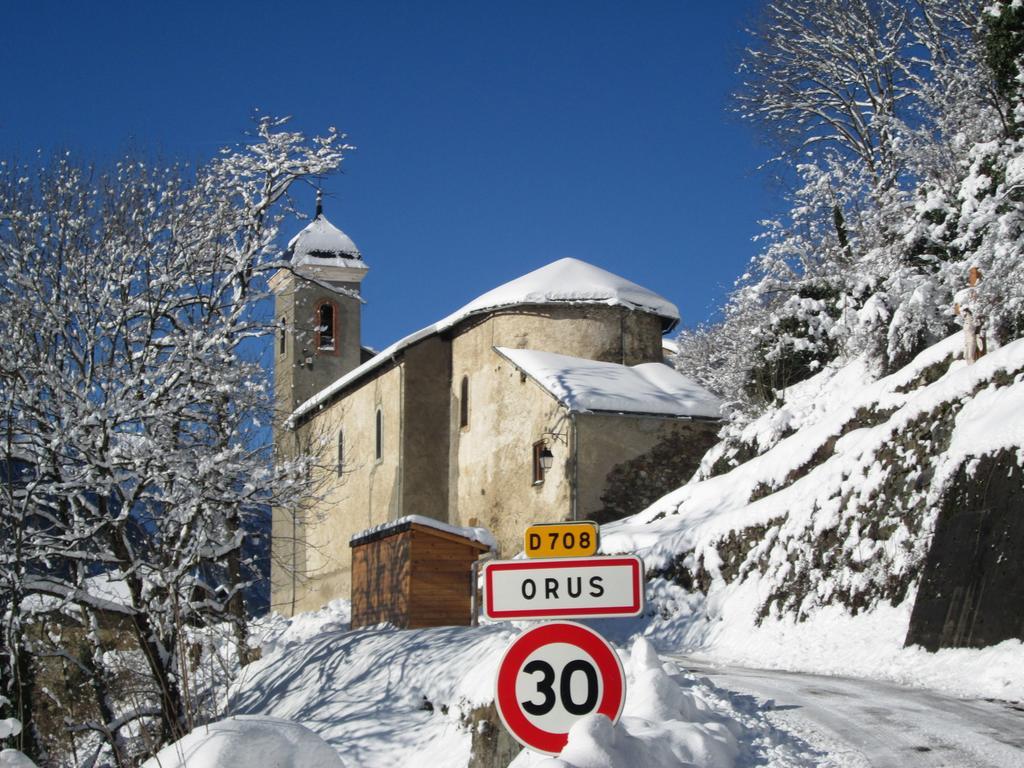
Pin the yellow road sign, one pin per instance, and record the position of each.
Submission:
(577, 539)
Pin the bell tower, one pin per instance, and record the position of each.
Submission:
(317, 310)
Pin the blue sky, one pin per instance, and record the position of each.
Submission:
(493, 137)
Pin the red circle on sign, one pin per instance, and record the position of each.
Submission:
(510, 709)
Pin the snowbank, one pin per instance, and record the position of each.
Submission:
(384, 697)
(833, 642)
(274, 631)
(247, 742)
(380, 696)
(663, 725)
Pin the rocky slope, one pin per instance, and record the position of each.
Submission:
(820, 518)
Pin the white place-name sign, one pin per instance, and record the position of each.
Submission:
(564, 588)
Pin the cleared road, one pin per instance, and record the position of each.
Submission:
(878, 724)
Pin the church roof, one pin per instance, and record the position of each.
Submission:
(571, 281)
(566, 281)
(585, 386)
(323, 244)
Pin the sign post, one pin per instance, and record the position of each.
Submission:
(553, 675)
(564, 588)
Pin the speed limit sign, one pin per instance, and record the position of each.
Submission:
(553, 675)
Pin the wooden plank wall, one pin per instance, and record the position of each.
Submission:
(441, 574)
(380, 581)
(419, 577)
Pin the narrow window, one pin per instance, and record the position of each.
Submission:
(538, 466)
(326, 318)
(379, 451)
(341, 452)
(282, 336)
(464, 402)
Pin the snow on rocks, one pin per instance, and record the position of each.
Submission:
(246, 742)
(806, 555)
(713, 507)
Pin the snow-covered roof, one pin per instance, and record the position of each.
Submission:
(566, 281)
(571, 281)
(583, 385)
(323, 244)
(481, 536)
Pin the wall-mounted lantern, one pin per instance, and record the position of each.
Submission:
(543, 458)
(547, 458)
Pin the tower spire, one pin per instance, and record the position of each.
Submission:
(319, 203)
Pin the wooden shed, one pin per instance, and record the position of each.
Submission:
(413, 573)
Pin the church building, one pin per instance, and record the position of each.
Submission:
(545, 399)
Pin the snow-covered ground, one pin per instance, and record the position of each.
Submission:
(247, 741)
(384, 697)
(862, 723)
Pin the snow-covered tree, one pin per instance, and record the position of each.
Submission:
(137, 412)
(896, 123)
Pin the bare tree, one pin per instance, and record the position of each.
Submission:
(137, 407)
(848, 75)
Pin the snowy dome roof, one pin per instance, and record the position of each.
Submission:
(573, 281)
(322, 243)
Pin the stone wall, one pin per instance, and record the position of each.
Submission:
(367, 492)
(628, 463)
(972, 587)
(426, 369)
(595, 332)
(491, 461)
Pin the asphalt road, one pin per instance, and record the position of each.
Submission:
(871, 723)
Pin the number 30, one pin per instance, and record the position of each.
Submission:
(545, 687)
